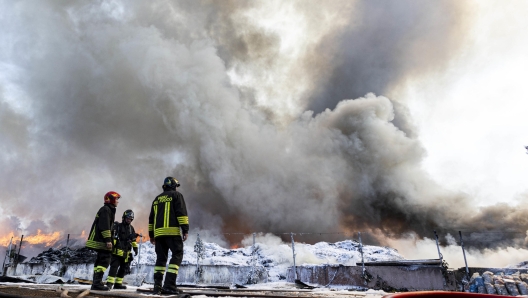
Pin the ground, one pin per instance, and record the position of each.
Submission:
(50, 290)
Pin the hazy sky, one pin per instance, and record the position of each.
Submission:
(390, 118)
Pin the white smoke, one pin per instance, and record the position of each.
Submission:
(117, 95)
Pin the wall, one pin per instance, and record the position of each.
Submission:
(211, 274)
(388, 278)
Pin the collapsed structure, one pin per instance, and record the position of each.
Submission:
(340, 265)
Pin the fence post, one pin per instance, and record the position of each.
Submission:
(139, 281)
(440, 256)
(363, 275)
(293, 250)
(465, 261)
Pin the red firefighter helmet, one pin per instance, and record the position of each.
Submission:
(111, 197)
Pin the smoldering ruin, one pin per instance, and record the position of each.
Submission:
(357, 268)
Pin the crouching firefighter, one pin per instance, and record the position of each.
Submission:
(168, 215)
(100, 238)
(124, 242)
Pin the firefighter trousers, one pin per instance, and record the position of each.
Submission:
(163, 245)
(117, 270)
(102, 261)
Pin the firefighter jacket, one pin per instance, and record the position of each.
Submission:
(124, 240)
(167, 215)
(101, 231)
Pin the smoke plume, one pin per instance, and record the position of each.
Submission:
(274, 116)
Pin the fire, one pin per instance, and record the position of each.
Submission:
(4, 241)
(47, 239)
(41, 238)
(234, 246)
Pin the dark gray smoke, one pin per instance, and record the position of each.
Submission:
(104, 96)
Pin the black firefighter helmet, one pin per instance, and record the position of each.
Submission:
(128, 214)
(170, 183)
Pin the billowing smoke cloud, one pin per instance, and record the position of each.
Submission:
(270, 127)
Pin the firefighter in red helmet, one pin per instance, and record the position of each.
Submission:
(100, 238)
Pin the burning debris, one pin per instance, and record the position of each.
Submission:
(65, 255)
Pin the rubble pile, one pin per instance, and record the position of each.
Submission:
(499, 284)
(65, 255)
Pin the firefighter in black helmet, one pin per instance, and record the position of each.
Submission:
(168, 228)
(124, 242)
(100, 238)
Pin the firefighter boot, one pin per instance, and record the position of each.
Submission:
(158, 279)
(169, 287)
(109, 285)
(97, 283)
(119, 286)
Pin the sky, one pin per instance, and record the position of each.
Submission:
(392, 119)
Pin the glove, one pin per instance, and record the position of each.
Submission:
(127, 268)
(135, 250)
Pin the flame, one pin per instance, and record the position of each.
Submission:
(40, 238)
(235, 246)
(4, 241)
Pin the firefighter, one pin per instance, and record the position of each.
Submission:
(124, 242)
(168, 215)
(100, 238)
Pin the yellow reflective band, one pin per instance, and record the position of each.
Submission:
(92, 234)
(118, 252)
(159, 269)
(174, 231)
(96, 245)
(183, 220)
(119, 280)
(175, 271)
(167, 214)
(155, 214)
(110, 279)
(99, 269)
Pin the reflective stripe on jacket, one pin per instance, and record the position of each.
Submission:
(101, 231)
(121, 246)
(167, 215)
